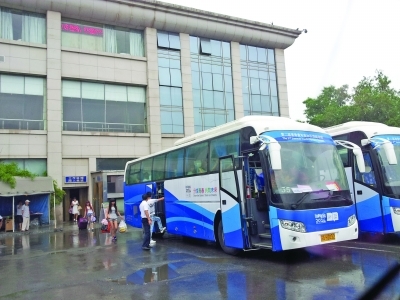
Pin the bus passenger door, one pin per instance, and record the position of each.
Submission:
(230, 204)
(368, 200)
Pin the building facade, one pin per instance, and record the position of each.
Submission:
(87, 85)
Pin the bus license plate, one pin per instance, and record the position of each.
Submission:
(327, 237)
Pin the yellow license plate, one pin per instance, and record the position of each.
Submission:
(328, 237)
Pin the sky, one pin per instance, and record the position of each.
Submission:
(346, 40)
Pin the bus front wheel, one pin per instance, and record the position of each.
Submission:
(228, 250)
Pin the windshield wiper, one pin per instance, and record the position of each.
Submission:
(295, 205)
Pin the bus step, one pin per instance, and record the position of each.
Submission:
(265, 235)
(263, 246)
(267, 226)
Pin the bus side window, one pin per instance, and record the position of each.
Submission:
(196, 159)
(369, 176)
(133, 173)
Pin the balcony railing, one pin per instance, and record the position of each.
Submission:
(104, 127)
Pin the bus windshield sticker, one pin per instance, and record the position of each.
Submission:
(300, 136)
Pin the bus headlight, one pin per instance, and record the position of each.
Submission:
(352, 219)
(292, 225)
(396, 210)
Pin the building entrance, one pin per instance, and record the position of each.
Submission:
(81, 194)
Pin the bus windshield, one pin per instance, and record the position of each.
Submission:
(391, 173)
(312, 174)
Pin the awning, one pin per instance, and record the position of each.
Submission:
(27, 186)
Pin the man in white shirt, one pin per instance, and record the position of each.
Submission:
(154, 218)
(26, 216)
(146, 221)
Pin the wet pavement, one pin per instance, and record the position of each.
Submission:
(78, 264)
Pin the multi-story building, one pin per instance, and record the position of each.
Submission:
(86, 85)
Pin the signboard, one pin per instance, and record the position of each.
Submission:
(82, 29)
(75, 179)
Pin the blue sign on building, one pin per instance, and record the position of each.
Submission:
(75, 179)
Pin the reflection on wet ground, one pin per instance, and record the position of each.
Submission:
(185, 269)
(160, 273)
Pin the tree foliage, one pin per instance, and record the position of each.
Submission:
(371, 100)
(8, 172)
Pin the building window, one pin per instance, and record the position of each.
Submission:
(111, 164)
(22, 102)
(170, 81)
(211, 82)
(37, 166)
(89, 106)
(104, 38)
(260, 94)
(168, 40)
(22, 26)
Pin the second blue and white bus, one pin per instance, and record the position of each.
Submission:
(377, 191)
(257, 182)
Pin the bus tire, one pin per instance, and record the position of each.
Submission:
(227, 250)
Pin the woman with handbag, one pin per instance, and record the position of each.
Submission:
(89, 215)
(74, 206)
(112, 217)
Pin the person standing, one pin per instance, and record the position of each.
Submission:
(89, 213)
(146, 221)
(112, 216)
(74, 205)
(18, 217)
(26, 216)
(154, 218)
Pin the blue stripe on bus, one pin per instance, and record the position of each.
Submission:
(193, 210)
(190, 220)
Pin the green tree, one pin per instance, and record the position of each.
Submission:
(8, 172)
(371, 100)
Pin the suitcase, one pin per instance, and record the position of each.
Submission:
(108, 230)
(82, 223)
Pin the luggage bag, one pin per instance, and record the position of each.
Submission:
(82, 223)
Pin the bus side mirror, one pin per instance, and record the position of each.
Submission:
(253, 140)
(275, 155)
(360, 159)
(390, 154)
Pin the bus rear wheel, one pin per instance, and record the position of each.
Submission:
(228, 250)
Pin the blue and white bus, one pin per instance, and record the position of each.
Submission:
(377, 191)
(257, 182)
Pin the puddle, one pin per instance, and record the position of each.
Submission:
(154, 274)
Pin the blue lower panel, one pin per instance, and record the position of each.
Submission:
(387, 204)
(371, 225)
(234, 239)
(276, 237)
(232, 225)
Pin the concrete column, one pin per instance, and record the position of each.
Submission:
(153, 90)
(281, 81)
(237, 80)
(92, 168)
(186, 71)
(54, 100)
